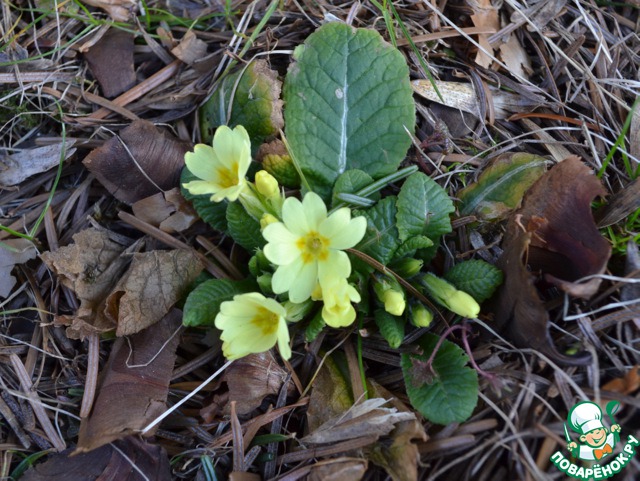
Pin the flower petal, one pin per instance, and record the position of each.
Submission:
(200, 187)
(283, 340)
(285, 276)
(294, 217)
(200, 163)
(342, 231)
(337, 266)
(281, 248)
(304, 283)
(232, 193)
(314, 209)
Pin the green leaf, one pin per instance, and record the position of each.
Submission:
(501, 185)
(315, 327)
(391, 327)
(256, 104)
(213, 213)
(476, 277)
(244, 229)
(381, 237)
(423, 208)
(350, 182)
(348, 103)
(203, 303)
(450, 393)
(411, 245)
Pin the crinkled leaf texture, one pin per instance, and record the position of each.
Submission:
(203, 304)
(256, 104)
(423, 208)
(348, 102)
(244, 229)
(447, 395)
(475, 277)
(381, 237)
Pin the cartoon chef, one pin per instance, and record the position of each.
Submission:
(585, 418)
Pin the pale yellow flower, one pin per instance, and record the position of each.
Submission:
(307, 246)
(266, 184)
(252, 323)
(453, 299)
(221, 168)
(337, 297)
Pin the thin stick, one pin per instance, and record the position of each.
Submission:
(91, 383)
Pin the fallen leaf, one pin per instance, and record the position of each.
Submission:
(501, 185)
(462, 96)
(111, 62)
(400, 458)
(361, 420)
(339, 469)
(330, 396)
(253, 378)
(631, 290)
(515, 57)
(627, 384)
(19, 166)
(552, 237)
(140, 162)
(168, 211)
(89, 267)
(133, 386)
(12, 253)
(119, 10)
(154, 282)
(128, 459)
(485, 15)
(190, 49)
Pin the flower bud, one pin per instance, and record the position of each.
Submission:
(266, 220)
(264, 282)
(267, 185)
(407, 267)
(391, 295)
(448, 296)
(421, 316)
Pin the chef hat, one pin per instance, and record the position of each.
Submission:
(585, 416)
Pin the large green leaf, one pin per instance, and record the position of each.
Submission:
(350, 182)
(476, 277)
(348, 102)
(244, 229)
(423, 208)
(381, 237)
(501, 185)
(203, 304)
(447, 395)
(256, 104)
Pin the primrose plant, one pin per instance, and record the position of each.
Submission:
(334, 250)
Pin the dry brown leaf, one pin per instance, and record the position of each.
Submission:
(485, 16)
(552, 236)
(190, 49)
(21, 165)
(90, 267)
(515, 57)
(154, 282)
(133, 386)
(339, 469)
(168, 211)
(117, 462)
(400, 459)
(627, 384)
(119, 10)
(111, 62)
(330, 396)
(365, 419)
(253, 378)
(140, 162)
(13, 252)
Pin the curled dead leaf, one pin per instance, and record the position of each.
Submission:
(133, 386)
(140, 162)
(119, 10)
(111, 62)
(13, 252)
(552, 239)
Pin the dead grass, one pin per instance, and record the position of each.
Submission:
(581, 58)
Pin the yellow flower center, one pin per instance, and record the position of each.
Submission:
(266, 321)
(313, 247)
(228, 177)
